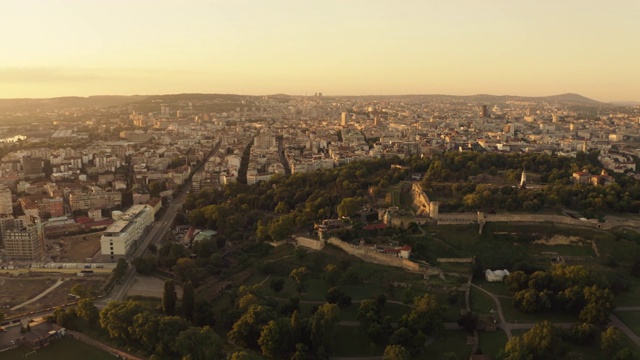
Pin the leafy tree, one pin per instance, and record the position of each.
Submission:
(581, 334)
(188, 300)
(599, 304)
(611, 340)
(396, 352)
(199, 344)
(262, 231)
(246, 331)
(300, 276)
(349, 207)
(144, 265)
(276, 285)
(79, 291)
(517, 281)
(170, 327)
(244, 355)
(322, 323)
(88, 311)
(332, 274)
(117, 318)
(369, 312)
(540, 342)
(426, 315)
(121, 268)
(276, 338)
(282, 227)
(169, 298)
(146, 330)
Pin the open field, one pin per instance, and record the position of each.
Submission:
(23, 288)
(59, 296)
(351, 341)
(450, 341)
(491, 342)
(631, 319)
(481, 303)
(65, 348)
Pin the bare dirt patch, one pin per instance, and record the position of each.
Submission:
(560, 240)
(61, 295)
(16, 290)
(77, 248)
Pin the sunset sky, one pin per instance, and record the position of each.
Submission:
(338, 47)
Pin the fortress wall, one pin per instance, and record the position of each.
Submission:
(313, 244)
(404, 221)
(421, 201)
(560, 219)
(372, 256)
(457, 218)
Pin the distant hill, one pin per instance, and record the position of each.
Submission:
(29, 105)
(572, 98)
(234, 100)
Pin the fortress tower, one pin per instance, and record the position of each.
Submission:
(523, 180)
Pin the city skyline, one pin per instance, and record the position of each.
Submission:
(70, 48)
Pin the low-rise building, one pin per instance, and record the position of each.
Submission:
(121, 238)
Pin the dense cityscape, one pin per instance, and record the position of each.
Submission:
(319, 180)
(117, 195)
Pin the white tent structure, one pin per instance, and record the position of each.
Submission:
(497, 275)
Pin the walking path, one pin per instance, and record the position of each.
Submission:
(50, 289)
(506, 327)
(615, 321)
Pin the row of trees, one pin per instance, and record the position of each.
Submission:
(546, 342)
(563, 288)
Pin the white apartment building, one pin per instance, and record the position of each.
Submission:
(121, 238)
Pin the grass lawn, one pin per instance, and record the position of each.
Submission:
(496, 287)
(481, 303)
(65, 348)
(631, 297)
(350, 341)
(450, 341)
(451, 311)
(512, 314)
(492, 342)
(566, 250)
(631, 319)
(624, 251)
(590, 352)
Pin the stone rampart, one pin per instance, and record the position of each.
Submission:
(421, 202)
(404, 221)
(313, 244)
(370, 255)
(457, 218)
(559, 219)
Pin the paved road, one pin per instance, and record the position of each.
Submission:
(157, 232)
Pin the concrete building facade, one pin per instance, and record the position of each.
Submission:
(121, 238)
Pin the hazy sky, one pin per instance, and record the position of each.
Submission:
(338, 47)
